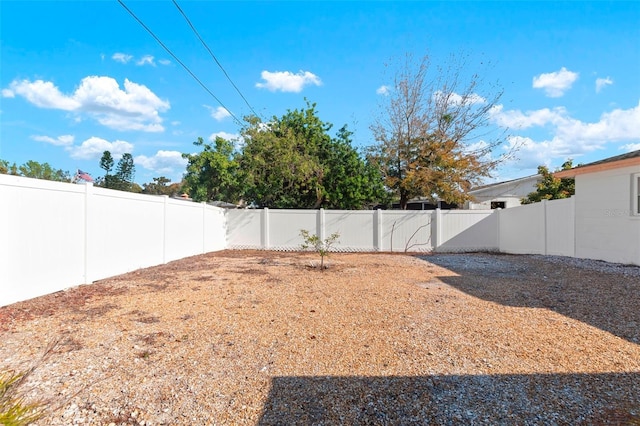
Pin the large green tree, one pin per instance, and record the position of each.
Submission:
(550, 187)
(212, 174)
(106, 163)
(433, 136)
(125, 173)
(293, 162)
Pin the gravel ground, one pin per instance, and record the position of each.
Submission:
(247, 337)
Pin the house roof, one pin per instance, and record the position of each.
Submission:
(504, 183)
(624, 160)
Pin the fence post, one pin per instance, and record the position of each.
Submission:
(498, 214)
(438, 236)
(320, 231)
(377, 229)
(544, 218)
(88, 196)
(204, 227)
(164, 227)
(265, 229)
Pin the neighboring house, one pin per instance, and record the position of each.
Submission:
(502, 194)
(607, 208)
(424, 204)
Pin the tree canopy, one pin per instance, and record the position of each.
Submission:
(162, 186)
(212, 174)
(122, 179)
(433, 137)
(551, 187)
(36, 170)
(287, 162)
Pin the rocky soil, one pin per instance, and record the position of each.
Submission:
(262, 338)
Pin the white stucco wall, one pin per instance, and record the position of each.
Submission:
(606, 228)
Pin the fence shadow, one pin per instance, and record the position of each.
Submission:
(455, 399)
(568, 290)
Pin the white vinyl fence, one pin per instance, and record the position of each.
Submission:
(56, 235)
(365, 230)
(540, 228)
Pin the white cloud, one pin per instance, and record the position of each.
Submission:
(134, 108)
(163, 162)
(383, 90)
(456, 99)
(570, 137)
(238, 141)
(8, 93)
(516, 119)
(146, 59)
(164, 62)
(63, 140)
(286, 81)
(555, 84)
(93, 148)
(219, 113)
(601, 83)
(224, 135)
(121, 57)
(44, 94)
(530, 154)
(630, 147)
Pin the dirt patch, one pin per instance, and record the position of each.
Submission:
(254, 337)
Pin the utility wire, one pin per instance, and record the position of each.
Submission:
(178, 60)
(213, 56)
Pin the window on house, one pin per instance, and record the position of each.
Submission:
(498, 204)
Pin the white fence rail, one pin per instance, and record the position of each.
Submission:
(55, 235)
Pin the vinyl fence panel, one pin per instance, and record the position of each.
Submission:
(356, 229)
(467, 230)
(406, 231)
(522, 229)
(57, 235)
(125, 232)
(42, 237)
(560, 233)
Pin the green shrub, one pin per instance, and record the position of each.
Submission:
(322, 247)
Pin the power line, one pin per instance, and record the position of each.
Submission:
(177, 60)
(213, 56)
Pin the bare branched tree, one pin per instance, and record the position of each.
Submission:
(434, 135)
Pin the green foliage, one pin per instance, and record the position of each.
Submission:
(125, 173)
(212, 174)
(14, 409)
(288, 162)
(551, 187)
(162, 186)
(122, 179)
(106, 162)
(36, 170)
(429, 131)
(293, 162)
(322, 247)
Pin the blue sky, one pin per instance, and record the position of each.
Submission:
(78, 78)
